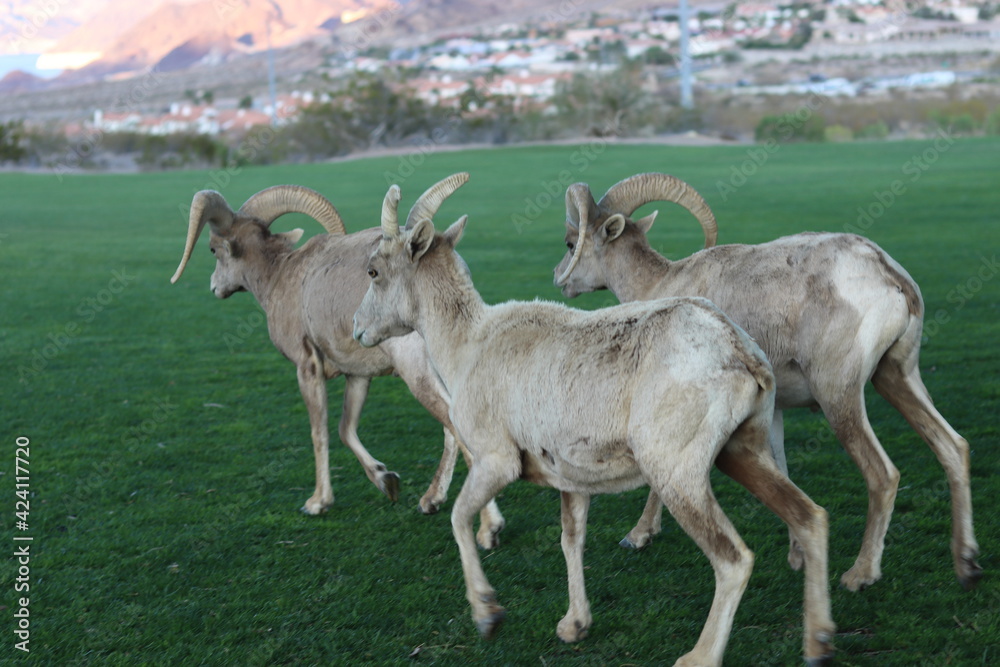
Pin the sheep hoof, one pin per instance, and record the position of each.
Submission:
(970, 573)
(429, 506)
(821, 648)
(572, 630)
(637, 545)
(388, 483)
(857, 578)
(315, 507)
(487, 538)
(488, 626)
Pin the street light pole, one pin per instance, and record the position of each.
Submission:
(687, 101)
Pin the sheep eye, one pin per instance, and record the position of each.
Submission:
(372, 273)
(569, 245)
(213, 250)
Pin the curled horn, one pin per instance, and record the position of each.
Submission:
(580, 208)
(208, 206)
(626, 196)
(390, 214)
(271, 203)
(429, 202)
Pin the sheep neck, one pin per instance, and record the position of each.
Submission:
(632, 275)
(263, 279)
(448, 312)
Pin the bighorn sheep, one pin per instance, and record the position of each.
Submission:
(831, 311)
(310, 295)
(595, 402)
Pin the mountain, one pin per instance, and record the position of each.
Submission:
(179, 33)
(19, 82)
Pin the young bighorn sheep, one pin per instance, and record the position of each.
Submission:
(830, 310)
(596, 402)
(310, 295)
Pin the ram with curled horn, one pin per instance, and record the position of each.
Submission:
(830, 310)
(593, 402)
(309, 295)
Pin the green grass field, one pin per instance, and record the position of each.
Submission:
(170, 452)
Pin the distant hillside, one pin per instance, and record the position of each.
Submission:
(183, 32)
(18, 81)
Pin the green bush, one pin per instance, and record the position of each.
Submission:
(12, 141)
(876, 130)
(838, 134)
(801, 125)
(992, 124)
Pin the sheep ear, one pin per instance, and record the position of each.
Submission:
(232, 249)
(645, 224)
(454, 233)
(614, 226)
(420, 238)
(293, 236)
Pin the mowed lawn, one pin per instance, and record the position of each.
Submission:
(170, 450)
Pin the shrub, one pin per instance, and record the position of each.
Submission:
(992, 124)
(796, 126)
(837, 134)
(12, 141)
(876, 130)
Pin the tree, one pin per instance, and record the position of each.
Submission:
(12, 141)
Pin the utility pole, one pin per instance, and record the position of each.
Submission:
(270, 76)
(687, 101)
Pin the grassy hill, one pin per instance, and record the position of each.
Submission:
(169, 446)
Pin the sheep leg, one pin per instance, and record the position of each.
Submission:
(776, 439)
(426, 388)
(312, 384)
(355, 393)
(905, 390)
(689, 498)
(574, 625)
(491, 521)
(486, 478)
(748, 463)
(849, 420)
(437, 492)
(649, 524)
